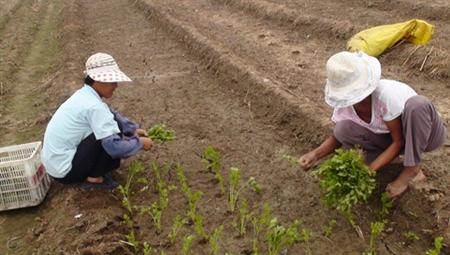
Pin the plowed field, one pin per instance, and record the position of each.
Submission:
(244, 76)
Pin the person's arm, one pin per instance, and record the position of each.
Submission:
(395, 127)
(327, 147)
(118, 147)
(127, 127)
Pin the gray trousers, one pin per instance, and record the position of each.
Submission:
(423, 131)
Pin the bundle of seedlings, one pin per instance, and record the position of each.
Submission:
(161, 133)
(347, 181)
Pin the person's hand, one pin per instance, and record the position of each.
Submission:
(308, 160)
(147, 143)
(139, 132)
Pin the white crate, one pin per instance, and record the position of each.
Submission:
(23, 180)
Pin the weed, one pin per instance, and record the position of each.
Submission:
(347, 180)
(214, 240)
(279, 237)
(161, 133)
(436, 250)
(186, 245)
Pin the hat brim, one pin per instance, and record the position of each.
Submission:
(108, 75)
(362, 88)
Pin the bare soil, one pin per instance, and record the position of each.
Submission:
(245, 76)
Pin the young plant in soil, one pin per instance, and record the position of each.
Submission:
(386, 206)
(346, 180)
(375, 230)
(211, 160)
(436, 250)
(186, 245)
(134, 169)
(329, 228)
(155, 212)
(306, 236)
(178, 223)
(244, 217)
(199, 227)
(259, 224)
(278, 237)
(160, 133)
(214, 240)
(234, 176)
(411, 236)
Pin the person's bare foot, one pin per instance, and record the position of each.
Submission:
(94, 179)
(409, 174)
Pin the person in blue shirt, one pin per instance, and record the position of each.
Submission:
(85, 140)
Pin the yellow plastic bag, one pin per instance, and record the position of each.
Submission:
(374, 41)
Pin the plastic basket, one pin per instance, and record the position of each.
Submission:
(23, 179)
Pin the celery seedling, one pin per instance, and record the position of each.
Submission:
(235, 178)
(198, 226)
(329, 228)
(279, 237)
(411, 236)
(186, 246)
(436, 250)
(214, 240)
(259, 224)
(211, 159)
(177, 224)
(306, 236)
(161, 133)
(375, 229)
(155, 212)
(244, 217)
(386, 205)
(147, 250)
(254, 185)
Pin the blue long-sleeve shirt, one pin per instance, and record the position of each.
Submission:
(122, 146)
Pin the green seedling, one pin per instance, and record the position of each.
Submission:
(182, 179)
(155, 212)
(161, 133)
(306, 236)
(130, 237)
(187, 242)
(346, 180)
(375, 230)
(178, 223)
(211, 160)
(254, 185)
(235, 187)
(411, 236)
(214, 240)
(199, 228)
(235, 179)
(278, 237)
(147, 250)
(386, 206)
(436, 250)
(134, 169)
(244, 217)
(291, 159)
(260, 223)
(162, 187)
(329, 227)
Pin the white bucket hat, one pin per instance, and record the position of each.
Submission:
(351, 77)
(103, 68)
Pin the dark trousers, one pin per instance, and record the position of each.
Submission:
(89, 160)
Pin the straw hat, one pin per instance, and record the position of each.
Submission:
(103, 68)
(351, 77)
